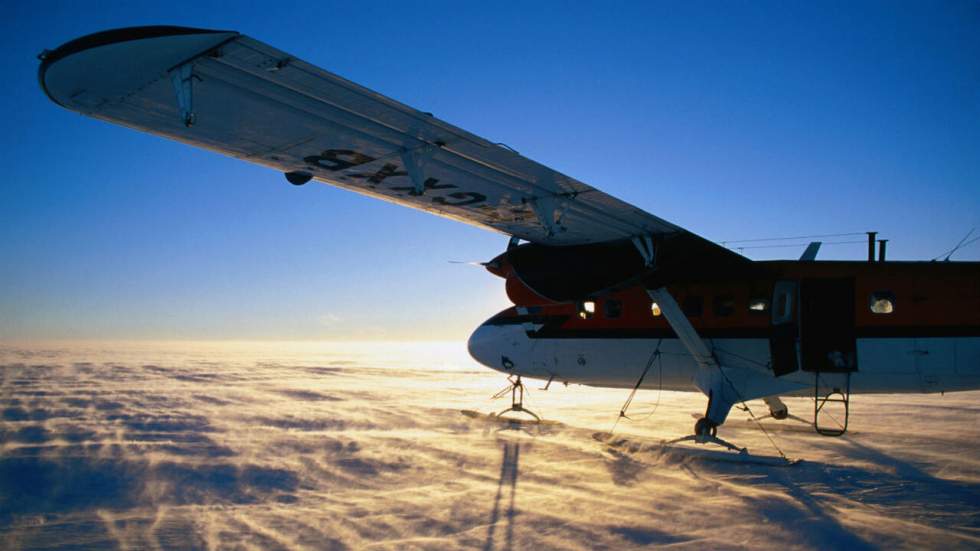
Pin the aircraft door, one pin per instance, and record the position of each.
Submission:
(828, 341)
(785, 329)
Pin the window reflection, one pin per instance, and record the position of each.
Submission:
(882, 302)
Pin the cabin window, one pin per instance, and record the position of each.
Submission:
(758, 305)
(724, 305)
(586, 309)
(655, 310)
(614, 308)
(882, 302)
(693, 305)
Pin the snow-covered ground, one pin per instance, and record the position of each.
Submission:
(284, 445)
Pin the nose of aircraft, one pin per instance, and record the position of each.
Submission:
(500, 347)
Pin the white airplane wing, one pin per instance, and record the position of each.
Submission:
(227, 92)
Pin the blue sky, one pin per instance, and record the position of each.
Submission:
(735, 120)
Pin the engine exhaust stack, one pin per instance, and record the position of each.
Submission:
(872, 235)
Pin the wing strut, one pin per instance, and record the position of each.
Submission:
(414, 161)
(183, 80)
(644, 245)
(686, 332)
(549, 213)
(709, 378)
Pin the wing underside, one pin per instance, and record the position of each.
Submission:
(230, 93)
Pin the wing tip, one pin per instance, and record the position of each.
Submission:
(107, 37)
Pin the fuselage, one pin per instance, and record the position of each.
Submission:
(892, 326)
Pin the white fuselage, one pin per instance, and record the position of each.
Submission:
(886, 365)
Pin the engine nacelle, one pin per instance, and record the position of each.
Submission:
(572, 272)
(545, 273)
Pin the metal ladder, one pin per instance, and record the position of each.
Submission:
(836, 395)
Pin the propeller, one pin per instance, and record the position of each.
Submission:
(471, 263)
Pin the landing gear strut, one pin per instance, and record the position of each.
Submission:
(710, 377)
(516, 390)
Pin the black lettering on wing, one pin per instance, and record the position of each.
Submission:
(462, 199)
(338, 159)
(387, 171)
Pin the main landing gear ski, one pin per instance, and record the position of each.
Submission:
(706, 432)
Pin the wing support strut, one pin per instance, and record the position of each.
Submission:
(549, 213)
(182, 79)
(644, 245)
(686, 332)
(709, 377)
(414, 161)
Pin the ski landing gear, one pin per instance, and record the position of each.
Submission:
(706, 432)
(710, 378)
(516, 389)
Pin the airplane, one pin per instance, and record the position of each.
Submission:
(602, 290)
